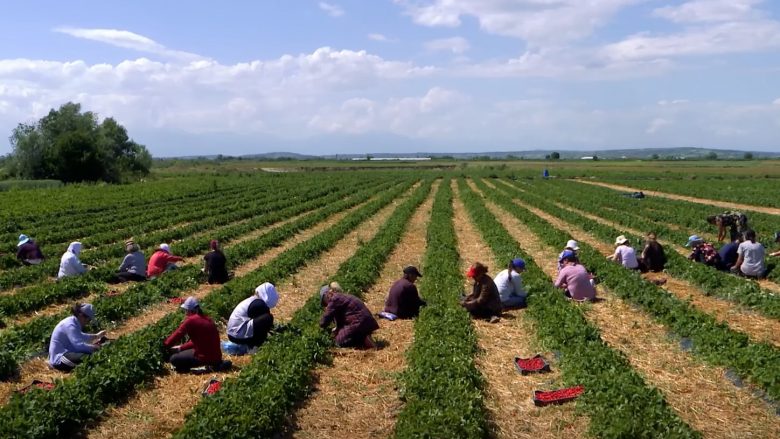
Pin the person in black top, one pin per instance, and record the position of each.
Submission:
(215, 267)
(736, 222)
(653, 257)
(728, 254)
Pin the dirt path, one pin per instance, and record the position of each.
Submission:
(723, 204)
(38, 368)
(159, 410)
(700, 394)
(758, 327)
(513, 413)
(356, 397)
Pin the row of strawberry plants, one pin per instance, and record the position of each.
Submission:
(281, 371)
(112, 373)
(442, 388)
(103, 245)
(617, 400)
(709, 279)
(714, 341)
(20, 341)
(32, 298)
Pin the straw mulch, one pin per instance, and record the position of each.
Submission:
(708, 202)
(509, 394)
(356, 397)
(159, 409)
(700, 394)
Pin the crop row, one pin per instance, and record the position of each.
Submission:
(280, 373)
(441, 386)
(112, 373)
(618, 401)
(709, 279)
(20, 341)
(714, 341)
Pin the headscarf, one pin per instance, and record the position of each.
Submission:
(214, 244)
(75, 248)
(267, 292)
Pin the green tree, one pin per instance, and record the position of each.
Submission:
(712, 155)
(555, 155)
(654, 157)
(748, 156)
(70, 145)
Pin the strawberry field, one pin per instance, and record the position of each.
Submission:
(693, 356)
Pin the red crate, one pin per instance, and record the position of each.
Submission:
(543, 398)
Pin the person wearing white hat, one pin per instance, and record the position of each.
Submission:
(703, 251)
(161, 261)
(624, 253)
(28, 251)
(203, 347)
(133, 267)
(70, 265)
(251, 320)
(69, 343)
(572, 246)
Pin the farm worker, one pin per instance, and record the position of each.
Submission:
(215, 264)
(484, 301)
(737, 223)
(574, 279)
(161, 261)
(70, 265)
(202, 348)
(354, 322)
(28, 251)
(545, 173)
(653, 257)
(510, 284)
(251, 320)
(403, 300)
(69, 344)
(751, 257)
(572, 246)
(777, 240)
(728, 254)
(702, 252)
(624, 253)
(133, 265)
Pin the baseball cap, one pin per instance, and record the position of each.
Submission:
(572, 244)
(165, 247)
(518, 263)
(412, 270)
(190, 304)
(87, 310)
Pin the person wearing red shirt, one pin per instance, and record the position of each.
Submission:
(161, 261)
(203, 347)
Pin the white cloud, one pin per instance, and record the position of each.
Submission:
(381, 37)
(456, 45)
(331, 9)
(656, 124)
(710, 11)
(540, 22)
(127, 40)
(664, 102)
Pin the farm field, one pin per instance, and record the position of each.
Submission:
(697, 356)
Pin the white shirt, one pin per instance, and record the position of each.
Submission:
(752, 258)
(68, 337)
(70, 265)
(509, 287)
(240, 325)
(627, 256)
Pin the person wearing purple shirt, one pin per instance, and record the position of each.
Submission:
(575, 279)
(28, 251)
(354, 322)
(69, 343)
(403, 300)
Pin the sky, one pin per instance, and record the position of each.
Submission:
(358, 76)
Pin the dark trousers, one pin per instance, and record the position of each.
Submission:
(261, 326)
(69, 361)
(127, 277)
(185, 360)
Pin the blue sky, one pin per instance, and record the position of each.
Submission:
(239, 77)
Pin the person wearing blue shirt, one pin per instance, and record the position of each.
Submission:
(69, 343)
(728, 254)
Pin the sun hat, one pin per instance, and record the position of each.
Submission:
(567, 254)
(518, 263)
(692, 239)
(190, 304)
(22, 239)
(572, 244)
(412, 270)
(267, 292)
(165, 247)
(87, 310)
(621, 240)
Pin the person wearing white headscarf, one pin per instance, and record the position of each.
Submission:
(251, 320)
(70, 265)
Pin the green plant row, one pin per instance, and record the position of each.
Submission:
(714, 341)
(21, 341)
(111, 374)
(712, 281)
(280, 374)
(441, 386)
(617, 399)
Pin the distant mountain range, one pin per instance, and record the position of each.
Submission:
(645, 153)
